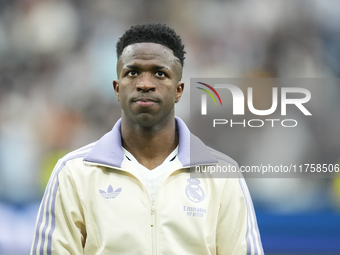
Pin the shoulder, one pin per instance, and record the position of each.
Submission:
(222, 158)
(72, 156)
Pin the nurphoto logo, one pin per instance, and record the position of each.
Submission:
(286, 97)
(204, 97)
(272, 127)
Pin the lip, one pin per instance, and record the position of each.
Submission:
(145, 101)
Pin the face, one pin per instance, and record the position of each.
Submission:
(148, 84)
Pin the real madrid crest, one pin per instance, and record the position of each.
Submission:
(193, 191)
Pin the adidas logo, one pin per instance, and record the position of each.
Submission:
(110, 194)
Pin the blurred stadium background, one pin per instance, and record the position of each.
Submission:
(57, 63)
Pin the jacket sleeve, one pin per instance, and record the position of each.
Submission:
(237, 230)
(60, 227)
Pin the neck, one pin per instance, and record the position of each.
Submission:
(149, 145)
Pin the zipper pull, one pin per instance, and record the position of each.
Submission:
(152, 216)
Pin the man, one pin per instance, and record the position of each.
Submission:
(131, 191)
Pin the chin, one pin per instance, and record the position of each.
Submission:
(150, 121)
(146, 120)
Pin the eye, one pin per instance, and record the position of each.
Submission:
(160, 74)
(132, 73)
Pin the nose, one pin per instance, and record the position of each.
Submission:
(145, 83)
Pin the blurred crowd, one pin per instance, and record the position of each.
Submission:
(58, 60)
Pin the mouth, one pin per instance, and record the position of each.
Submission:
(145, 102)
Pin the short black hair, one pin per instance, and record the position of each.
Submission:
(155, 33)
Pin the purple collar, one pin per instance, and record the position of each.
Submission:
(108, 150)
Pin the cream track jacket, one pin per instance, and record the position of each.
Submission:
(92, 205)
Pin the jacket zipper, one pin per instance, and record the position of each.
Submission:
(153, 230)
(153, 222)
(152, 210)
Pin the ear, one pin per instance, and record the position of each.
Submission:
(116, 88)
(179, 91)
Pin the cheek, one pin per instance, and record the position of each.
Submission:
(172, 95)
(122, 95)
(125, 89)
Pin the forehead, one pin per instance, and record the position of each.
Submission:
(148, 52)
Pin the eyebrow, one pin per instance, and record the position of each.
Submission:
(136, 67)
